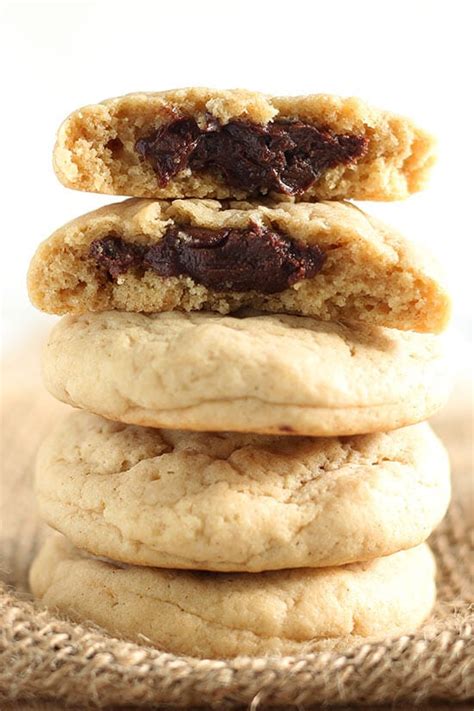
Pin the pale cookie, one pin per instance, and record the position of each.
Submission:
(325, 260)
(268, 374)
(239, 502)
(230, 614)
(204, 143)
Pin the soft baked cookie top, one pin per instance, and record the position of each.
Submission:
(275, 374)
(223, 615)
(200, 142)
(239, 502)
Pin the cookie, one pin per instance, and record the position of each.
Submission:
(325, 260)
(230, 614)
(270, 374)
(239, 502)
(209, 143)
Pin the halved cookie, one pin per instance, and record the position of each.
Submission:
(239, 502)
(226, 615)
(325, 260)
(270, 374)
(213, 143)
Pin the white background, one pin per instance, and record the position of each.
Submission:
(409, 56)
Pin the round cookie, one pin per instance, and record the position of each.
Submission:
(98, 146)
(239, 502)
(326, 260)
(262, 373)
(229, 614)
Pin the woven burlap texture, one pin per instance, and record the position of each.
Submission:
(45, 657)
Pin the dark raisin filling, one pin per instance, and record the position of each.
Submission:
(282, 156)
(252, 259)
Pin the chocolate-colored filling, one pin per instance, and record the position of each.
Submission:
(252, 259)
(282, 156)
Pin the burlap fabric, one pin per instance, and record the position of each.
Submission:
(45, 657)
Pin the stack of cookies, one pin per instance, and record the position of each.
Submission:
(252, 358)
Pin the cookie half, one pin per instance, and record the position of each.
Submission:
(220, 144)
(268, 374)
(325, 260)
(239, 502)
(230, 614)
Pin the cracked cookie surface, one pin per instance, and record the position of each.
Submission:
(261, 373)
(229, 614)
(146, 145)
(239, 502)
(367, 272)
